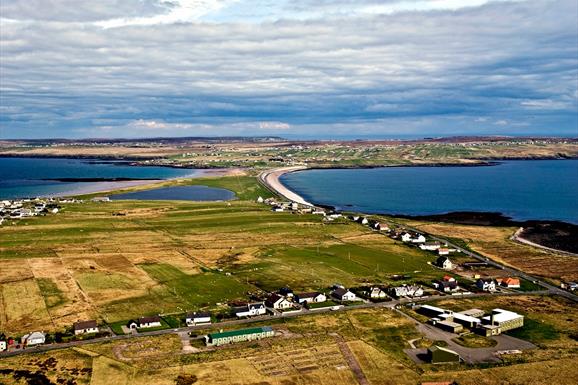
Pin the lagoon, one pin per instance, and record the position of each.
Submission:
(523, 190)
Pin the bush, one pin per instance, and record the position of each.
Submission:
(186, 379)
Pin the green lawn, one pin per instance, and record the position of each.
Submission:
(535, 331)
(53, 296)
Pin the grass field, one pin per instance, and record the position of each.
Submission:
(170, 257)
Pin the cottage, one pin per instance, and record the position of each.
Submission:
(509, 282)
(85, 327)
(377, 293)
(34, 338)
(251, 310)
(437, 354)
(486, 284)
(430, 246)
(311, 297)
(444, 262)
(343, 294)
(443, 251)
(145, 322)
(447, 284)
(100, 199)
(222, 338)
(419, 239)
(260, 199)
(3, 346)
(198, 318)
(276, 301)
(407, 291)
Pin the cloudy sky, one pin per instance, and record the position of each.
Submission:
(299, 68)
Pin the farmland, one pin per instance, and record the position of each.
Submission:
(169, 257)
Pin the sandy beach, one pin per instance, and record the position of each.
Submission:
(271, 179)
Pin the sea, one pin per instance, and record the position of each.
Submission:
(33, 177)
(522, 190)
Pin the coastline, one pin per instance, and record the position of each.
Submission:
(271, 180)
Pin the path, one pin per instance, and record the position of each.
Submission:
(350, 359)
(517, 238)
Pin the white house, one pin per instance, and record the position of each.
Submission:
(431, 246)
(419, 239)
(251, 310)
(260, 200)
(486, 284)
(145, 322)
(34, 338)
(2, 346)
(198, 318)
(407, 291)
(276, 301)
(406, 237)
(85, 327)
(443, 251)
(312, 297)
(343, 294)
(444, 263)
(377, 293)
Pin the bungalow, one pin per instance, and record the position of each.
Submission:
(381, 226)
(513, 283)
(444, 263)
(443, 251)
(446, 286)
(251, 310)
(198, 318)
(407, 291)
(377, 293)
(34, 338)
(223, 338)
(85, 327)
(311, 297)
(276, 301)
(343, 294)
(3, 346)
(486, 284)
(145, 322)
(430, 246)
(504, 319)
(100, 199)
(418, 238)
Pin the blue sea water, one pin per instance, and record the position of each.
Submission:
(23, 177)
(523, 190)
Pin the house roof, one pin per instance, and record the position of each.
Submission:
(81, 325)
(241, 332)
(436, 348)
(311, 294)
(200, 314)
(511, 281)
(340, 291)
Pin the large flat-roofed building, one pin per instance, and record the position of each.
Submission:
(466, 320)
(431, 311)
(223, 338)
(504, 319)
(449, 326)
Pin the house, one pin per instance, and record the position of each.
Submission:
(100, 199)
(276, 301)
(444, 262)
(251, 310)
(343, 294)
(377, 293)
(419, 239)
(407, 291)
(3, 346)
(486, 284)
(149, 322)
(437, 354)
(260, 199)
(512, 283)
(198, 318)
(278, 209)
(381, 226)
(85, 327)
(311, 297)
(430, 246)
(223, 338)
(447, 284)
(34, 338)
(443, 251)
(406, 237)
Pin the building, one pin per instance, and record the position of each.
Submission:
(443, 251)
(447, 325)
(34, 338)
(430, 246)
(504, 319)
(276, 301)
(343, 294)
(85, 327)
(407, 291)
(509, 282)
(430, 311)
(251, 310)
(312, 297)
(145, 322)
(437, 354)
(100, 199)
(223, 338)
(486, 284)
(447, 284)
(3, 346)
(466, 320)
(198, 318)
(473, 313)
(444, 262)
(377, 293)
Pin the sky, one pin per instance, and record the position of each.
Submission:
(291, 68)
